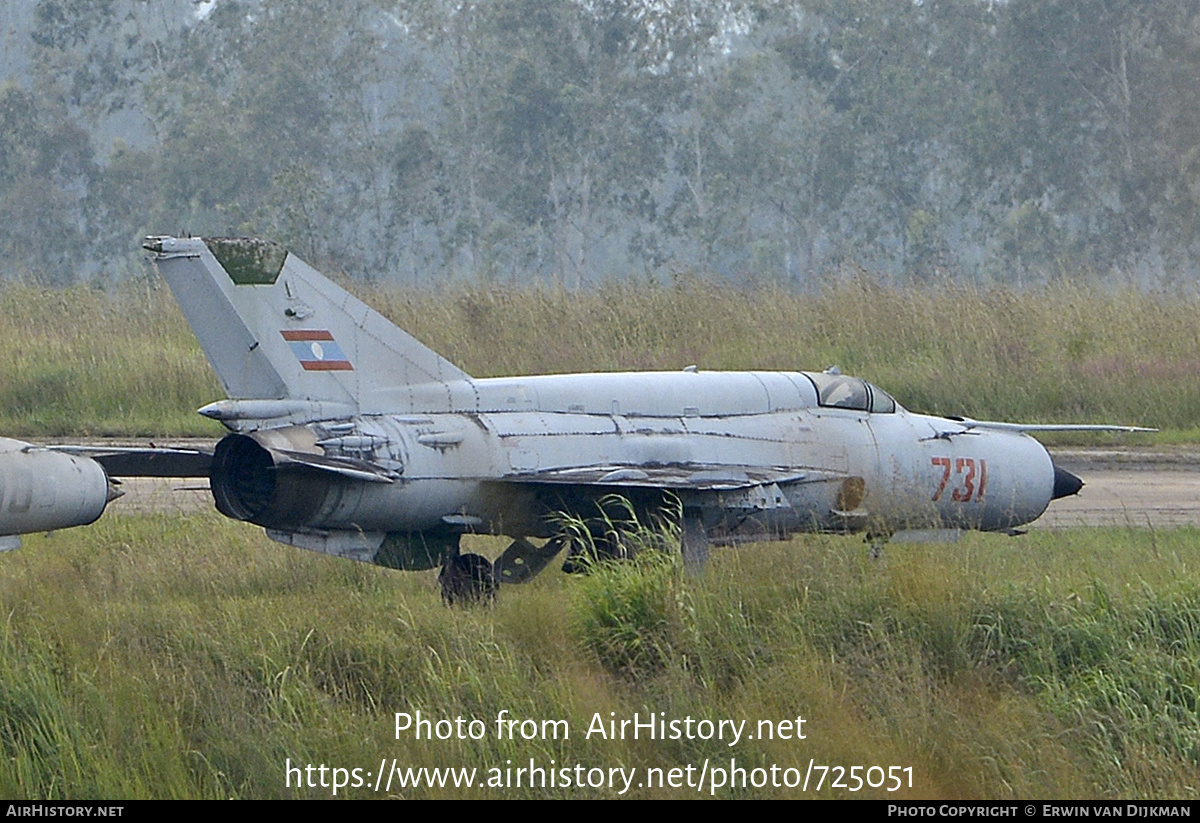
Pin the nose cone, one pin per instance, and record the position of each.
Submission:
(1065, 484)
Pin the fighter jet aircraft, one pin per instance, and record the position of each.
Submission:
(42, 489)
(349, 437)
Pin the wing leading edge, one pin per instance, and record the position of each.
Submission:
(991, 425)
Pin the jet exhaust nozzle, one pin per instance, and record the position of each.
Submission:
(248, 483)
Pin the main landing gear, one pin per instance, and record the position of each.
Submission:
(467, 579)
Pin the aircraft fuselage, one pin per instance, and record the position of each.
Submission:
(42, 490)
(751, 454)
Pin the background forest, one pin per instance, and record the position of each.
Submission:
(578, 140)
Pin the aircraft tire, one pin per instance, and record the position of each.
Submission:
(467, 579)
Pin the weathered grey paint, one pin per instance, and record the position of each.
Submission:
(42, 490)
(349, 433)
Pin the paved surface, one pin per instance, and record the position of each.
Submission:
(1156, 487)
(162, 494)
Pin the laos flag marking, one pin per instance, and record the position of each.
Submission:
(316, 350)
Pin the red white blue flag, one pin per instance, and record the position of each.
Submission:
(316, 350)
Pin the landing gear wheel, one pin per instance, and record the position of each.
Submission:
(467, 579)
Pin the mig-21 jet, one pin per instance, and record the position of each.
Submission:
(350, 437)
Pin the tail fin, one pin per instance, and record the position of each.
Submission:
(273, 328)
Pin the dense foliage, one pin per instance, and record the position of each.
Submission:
(578, 140)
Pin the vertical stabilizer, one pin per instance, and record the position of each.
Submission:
(274, 328)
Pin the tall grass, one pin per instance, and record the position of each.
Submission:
(81, 361)
(167, 656)
(1057, 353)
(84, 362)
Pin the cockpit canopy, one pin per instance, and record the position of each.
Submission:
(841, 391)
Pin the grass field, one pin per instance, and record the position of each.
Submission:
(169, 656)
(187, 656)
(85, 362)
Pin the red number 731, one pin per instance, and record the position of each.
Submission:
(970, 478)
